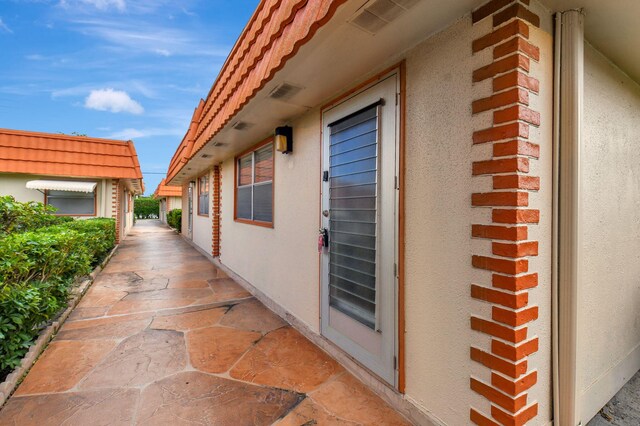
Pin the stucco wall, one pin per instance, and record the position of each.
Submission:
(202, 224)
(185, 211)
(15, 184)
(173, 203)
(438, 217)
(609, 289)
(283, 261)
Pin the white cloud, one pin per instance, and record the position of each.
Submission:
(130, 133)
(35, 57)
(4, 27)
(163, 52)
(137, 35)
(112, 100)
(120, 5)
(128, 86)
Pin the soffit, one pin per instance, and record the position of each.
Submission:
(338, 56)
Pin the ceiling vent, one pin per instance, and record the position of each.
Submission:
(375, 14)
(284, 92)
(241, 125)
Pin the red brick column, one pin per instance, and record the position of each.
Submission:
(216, 204)
(115, 206)
(507, 227)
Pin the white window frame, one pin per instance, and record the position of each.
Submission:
(204, 177)
(260, 146)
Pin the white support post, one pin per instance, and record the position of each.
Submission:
(570, 114)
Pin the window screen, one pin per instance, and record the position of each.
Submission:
(353, 163)
(72, 203)
(203, 195)
(254, 191)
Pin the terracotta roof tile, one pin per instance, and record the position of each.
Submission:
(275, 32)
(164, 190)
(63, 155)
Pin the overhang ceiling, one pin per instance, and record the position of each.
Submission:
(323, 68)
(612, 27)
(326, 64)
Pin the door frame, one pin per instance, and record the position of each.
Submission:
(399, 69)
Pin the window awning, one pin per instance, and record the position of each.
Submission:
(62, 185)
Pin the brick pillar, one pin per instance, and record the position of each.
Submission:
(115, 206)
(216, 203)
(511, 198)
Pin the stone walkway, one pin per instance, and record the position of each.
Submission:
(165, 338)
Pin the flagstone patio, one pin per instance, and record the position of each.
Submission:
(163, 337)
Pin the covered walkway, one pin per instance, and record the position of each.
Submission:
(163, 337)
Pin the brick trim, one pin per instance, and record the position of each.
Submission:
(216, 206)
(507, 352)
(115, 206)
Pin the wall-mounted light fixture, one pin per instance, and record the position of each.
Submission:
(284, 139)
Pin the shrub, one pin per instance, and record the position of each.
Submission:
(21, 217)
(47, 255)
(38, 263)
(98, 235)
(23, 308)
(174, 219)
(146, 208)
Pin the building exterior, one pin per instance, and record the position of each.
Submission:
(169, 197)
(81, 176)
(456, 219)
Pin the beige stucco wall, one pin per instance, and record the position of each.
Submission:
(126, 208)
(185, 211)
(166, 204)
(15, 185)
(202, 224)
(173, 203)
(609, 286)
(439, 217)
(162, 209)
(283, 261)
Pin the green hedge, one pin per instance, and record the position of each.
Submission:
(146, 208)
(98, 235)
(21, 217)
(174, 219)
(37, 268)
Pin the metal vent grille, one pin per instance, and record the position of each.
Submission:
(406, 3)
(241, 125)
(374, 15)
(284, 91)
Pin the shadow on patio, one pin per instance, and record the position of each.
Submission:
(164, 337)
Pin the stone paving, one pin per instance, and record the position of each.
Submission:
(163, 337)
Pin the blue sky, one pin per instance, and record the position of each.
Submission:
(123, 69)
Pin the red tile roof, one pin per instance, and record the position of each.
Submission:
(164, 190)
(275, 32)
(63, 155)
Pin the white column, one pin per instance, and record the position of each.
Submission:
(570, 114)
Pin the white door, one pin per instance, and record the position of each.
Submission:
(359, 205)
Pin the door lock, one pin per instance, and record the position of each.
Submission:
(323, 239)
